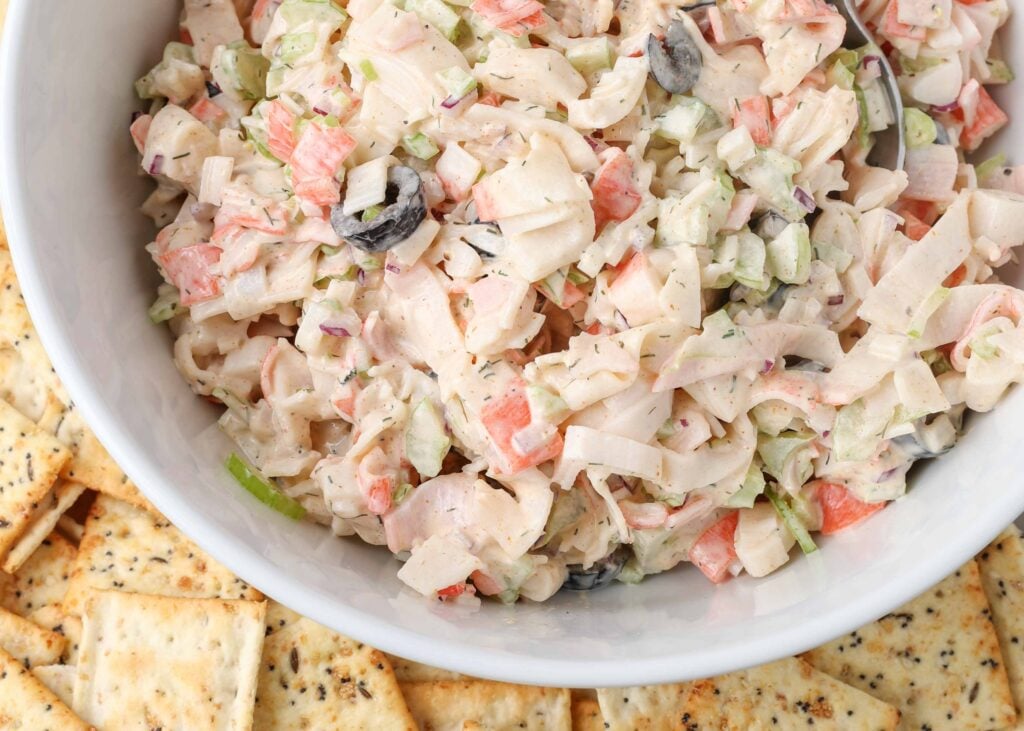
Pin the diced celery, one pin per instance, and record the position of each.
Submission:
(791, 521)
(545, 405)
(576, 276)
(591, 55)
(667, 429)
(750, 258)
(770, 175)
(921, 129)
(426, 442)
(296, 45)
(400, 493)
(419, 145)
(299, 12)
(371, 213)
(835, 257)
(242, 69)
(927, 308)
(789, 254)
(681, 121)
(179, 52)
(919, 64)
(230, 400)
(438, 14)
(847, 57)
(983, 170)
(166, 306)
(456, 82)
(778, 453)
(863, 118)
(367, 69)
(839, 74)
(178, 68)
(753, 485)
(1001, 73)
(262, 490)
(631, 572)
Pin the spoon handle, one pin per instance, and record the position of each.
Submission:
(890, 147)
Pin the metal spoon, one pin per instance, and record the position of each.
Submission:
(890, 149)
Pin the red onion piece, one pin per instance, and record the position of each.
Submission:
(952, 106)
(805, 199)
(157, 166)
(335, 330)
(836, 299)
(393, 268)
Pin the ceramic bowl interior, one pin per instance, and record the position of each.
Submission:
(70, 192)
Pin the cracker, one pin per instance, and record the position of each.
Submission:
(586, 715)
(29, 382)
(60, 679)
(53, 618)
(788, 693)
(70, 528)
(30, 461)
(280, 617)
(410, 671)
(90, 465)
(1002, 576)
(312, 677)
(445, 704)
(133, 550)
(43, 579)
(646, 707)
(18, 333)
(28, 642)
(28, 705)
(936, 658)
(44, 521)
(164, 662)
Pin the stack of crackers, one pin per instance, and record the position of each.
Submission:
(110, 618)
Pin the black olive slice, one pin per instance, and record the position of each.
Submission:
(395, 223)
(675, 63)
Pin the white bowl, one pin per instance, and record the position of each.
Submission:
(70, 191)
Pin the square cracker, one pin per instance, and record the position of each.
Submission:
(60, 679)
(410, 671)
(29, 643)
(1002, 575)
(52, 617)
(163, 662)
(43, 579)
(586, 715)
(29, 382)
(133, 550)
(43, 522)
(790, 691)
(470, 703)
(30, 461)
(28, 705)
(936, 658)
(90, 463)
(31, 376)
(643, 708)
(311, 677)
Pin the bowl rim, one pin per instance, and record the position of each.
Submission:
(330, 611)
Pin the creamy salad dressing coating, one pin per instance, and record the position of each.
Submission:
(551, 294)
